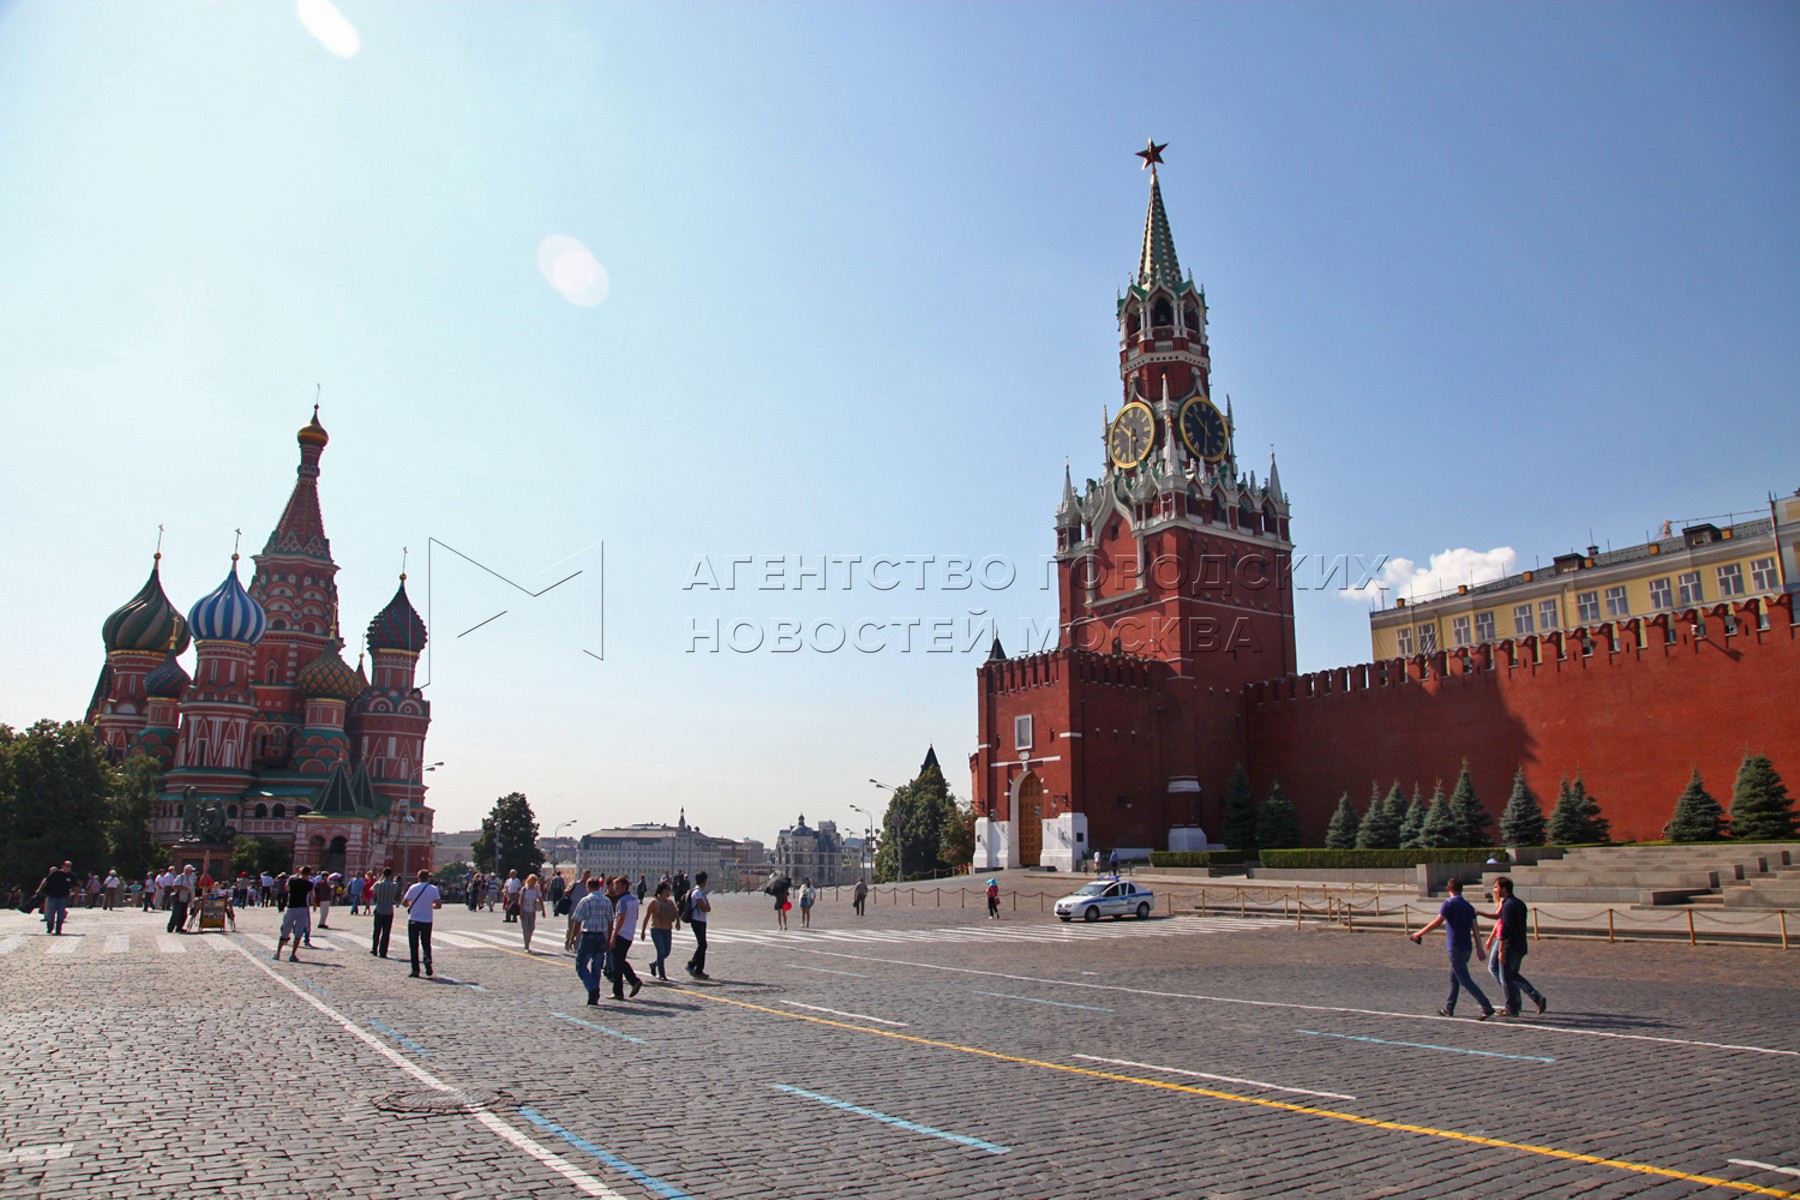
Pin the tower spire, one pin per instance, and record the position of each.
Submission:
(1157, 263)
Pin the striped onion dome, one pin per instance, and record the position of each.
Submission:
(398, 626)
(147, 621)
(168, 681)
(328, 678)
(227, 613)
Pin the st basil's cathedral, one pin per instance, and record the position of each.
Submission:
(273, 733)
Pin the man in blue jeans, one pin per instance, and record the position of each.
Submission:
(1458, 918)
(1510, 932)
(593, 916)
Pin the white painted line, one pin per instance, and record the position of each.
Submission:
(170, 943)
(498, 939)
(1763, 1166)
(28, 1156)
(219, 945)
(460, 942)
(562, 1166)
(118, 943)
(64, 945)
(1273, 1087)
(8, 945)
(1156, 994)
(825, 970)
(260, 939)
(837, 1012)
(1038, 1000)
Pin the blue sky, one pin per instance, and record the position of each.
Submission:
(1487, 277)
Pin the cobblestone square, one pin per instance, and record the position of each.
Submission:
(917, 1051)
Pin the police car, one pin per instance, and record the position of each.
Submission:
(1112, 897)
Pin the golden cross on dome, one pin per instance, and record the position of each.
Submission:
(1151, 153)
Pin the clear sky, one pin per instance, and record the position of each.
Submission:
(694, 282)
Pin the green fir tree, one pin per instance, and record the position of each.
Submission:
(1341, 833)
(1595, 829)
(1380, 829)
(511, 830)
(1278, 824)
(1472, 820)
(1239, 829)
(1412, 825)
(1761, 809)
(1523, 823)
(1697, 817)
(1440, 829)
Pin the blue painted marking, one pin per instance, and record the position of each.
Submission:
(624, 1037)
(1349, 1037)
(898, 1122)
(1036, 1000)
(310, 986)
(398, 1037)
(670, 1191)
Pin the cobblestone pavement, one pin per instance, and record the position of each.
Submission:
(920, 1051)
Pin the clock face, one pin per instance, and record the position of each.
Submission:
(1132, 435)
(1203, 429)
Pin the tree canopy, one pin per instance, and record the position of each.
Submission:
(1761, 809)
(1522, 824)
(1278, 823)
(511, 823)
(924, 829)
(1697, 816)
(55, 781)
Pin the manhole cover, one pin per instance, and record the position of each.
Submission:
(434, 1101)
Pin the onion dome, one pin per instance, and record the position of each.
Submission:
(147, 621)
(312, 433)
(168, 681)
(327, 678)
(398, 626)
(227, 613)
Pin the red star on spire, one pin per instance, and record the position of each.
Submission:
(1152, 153)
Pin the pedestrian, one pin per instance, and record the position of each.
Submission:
(490, 890)
(147, 893)
(1112, 861)
(381, 908)
(114, 887)
(618, 949)
(1509, 938)
(779, 888)
(323, 886)
(591, 920)
(859, 896)
(58, 883)
(93, 888)
(422, 899)
(1458, 918)
(559, 887)
(530, 904)
(296, 917)
(180, 894)
(510, 898)
(661, 917)
(993, 899)
(698, 910)
(356, 891)
(643, 887)
(807, 896)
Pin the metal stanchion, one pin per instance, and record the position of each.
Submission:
(1691, 927)
(1609, 926)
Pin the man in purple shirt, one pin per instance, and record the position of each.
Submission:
(1457, 916)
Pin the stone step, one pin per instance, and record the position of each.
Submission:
(1764, 895)
(1627, 878)
(1655, 897)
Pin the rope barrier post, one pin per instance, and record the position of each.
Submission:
(1349, 919)
(1406, 918)
(1241, 911)
(1203, 902)
(940, 897)
(1782, 913)
(1691, 940)
(1537, 934)
(1284, 910)
(1609, 926)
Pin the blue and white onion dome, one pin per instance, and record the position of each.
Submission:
(228, 614)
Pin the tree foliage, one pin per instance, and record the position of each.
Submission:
(1441, 828)
(1576, 819)
(512, 823)
(1341, 833)
(1522, 824)
(924, 820)
(1278, 823)
(1697, 816)
(256, 855)
(1412, 825)
(1471, 818)
(54, 783)
(1380, 828)
(1239, 826)
(131, 846)
(1761, 809)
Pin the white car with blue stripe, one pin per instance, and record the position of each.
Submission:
(1107, 897)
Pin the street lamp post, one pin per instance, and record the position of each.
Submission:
(556, 861)
(899, 835)
(868, 858)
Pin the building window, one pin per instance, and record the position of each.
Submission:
(1690, 587)
(1762, 575)
(1021, 733)
(1484, 627)
(1616, 603)
(1731, 579)
(1428, 639)
(1587, 607)
(1522, 619)
(1403, 641)
(1661, 594)
(1459, 631)
(1547, 615)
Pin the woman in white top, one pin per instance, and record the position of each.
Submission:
(531, 903)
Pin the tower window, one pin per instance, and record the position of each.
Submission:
(1162, 313)
(1132, 324)
(1190, 319)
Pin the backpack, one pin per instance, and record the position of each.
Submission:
(686, 908)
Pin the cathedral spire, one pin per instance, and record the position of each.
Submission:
(301, 530)
(1157, 263)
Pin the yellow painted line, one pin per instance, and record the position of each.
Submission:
(1258, 1101)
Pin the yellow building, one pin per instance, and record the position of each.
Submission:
(1702, 565)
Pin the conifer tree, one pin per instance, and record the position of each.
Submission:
(1239, 829)
(1522, 824)
(1412, 826)
(1440, 829)
(1278, 824)
(1697, 816)
(1566, 828)
(1471, 818)
(1379, 829)
(1595, 829)
(1761, 809)
(1341, 833)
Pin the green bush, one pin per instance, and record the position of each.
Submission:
(1203, 858)
(1373, 858)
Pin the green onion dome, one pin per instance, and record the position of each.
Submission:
(147, 622)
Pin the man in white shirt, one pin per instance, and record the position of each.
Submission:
(593, 916)
(512, 885)
(699, 908)
(114, 885)
(625, 915)
(421, 899)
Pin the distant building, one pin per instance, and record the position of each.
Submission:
(447, 848)
(815, 854)
(652, 850)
